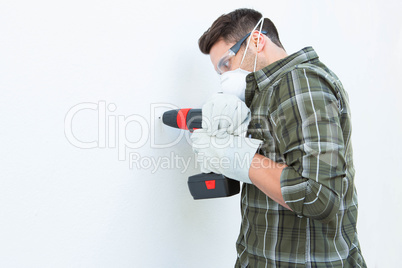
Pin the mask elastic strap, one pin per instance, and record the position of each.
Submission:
(248, 42)
(258, 42)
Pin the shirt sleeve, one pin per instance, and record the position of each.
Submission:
(308, 130)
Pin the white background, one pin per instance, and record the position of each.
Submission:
(63, 206)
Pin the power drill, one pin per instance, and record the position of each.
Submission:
(203, 185)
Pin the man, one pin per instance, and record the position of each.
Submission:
(298, 200)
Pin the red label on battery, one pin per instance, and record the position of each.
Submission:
(210, 184)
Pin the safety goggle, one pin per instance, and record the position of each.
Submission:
(225, 62)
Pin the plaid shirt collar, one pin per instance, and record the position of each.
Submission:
(260, 79)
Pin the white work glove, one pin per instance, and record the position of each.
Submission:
(229, 155)
(225, 113)
(221, 146)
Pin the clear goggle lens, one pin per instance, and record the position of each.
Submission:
(225, 62)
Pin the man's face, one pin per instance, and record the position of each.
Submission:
(220, 48)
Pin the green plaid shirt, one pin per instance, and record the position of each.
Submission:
(301, 111)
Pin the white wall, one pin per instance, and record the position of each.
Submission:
(64, 206)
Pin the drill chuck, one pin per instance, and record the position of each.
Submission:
(188, 119)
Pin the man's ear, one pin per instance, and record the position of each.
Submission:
(261, 42)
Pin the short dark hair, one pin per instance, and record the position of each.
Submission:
(235, 25)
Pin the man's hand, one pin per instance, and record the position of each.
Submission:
(220, 145)
(229, 155)
(225, 114)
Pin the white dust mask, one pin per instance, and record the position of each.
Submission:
(234, 82)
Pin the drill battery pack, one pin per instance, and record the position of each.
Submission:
(211, 185)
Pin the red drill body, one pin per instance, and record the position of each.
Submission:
(188, 119)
